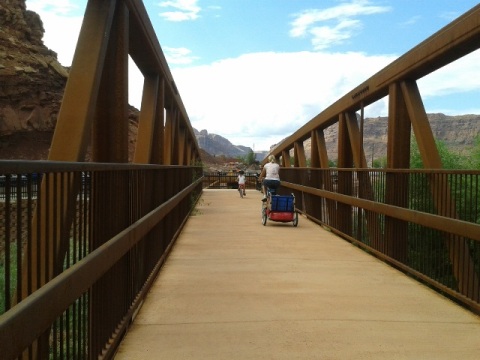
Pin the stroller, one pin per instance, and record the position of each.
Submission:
(279, 208)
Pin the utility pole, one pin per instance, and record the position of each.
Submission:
(373, 151)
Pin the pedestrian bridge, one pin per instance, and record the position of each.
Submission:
(133, 257)
(234, 289)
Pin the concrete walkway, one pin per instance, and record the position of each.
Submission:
(235, 289)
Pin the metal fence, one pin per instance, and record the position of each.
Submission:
(79, 247)
(220, 180)
(424, 222)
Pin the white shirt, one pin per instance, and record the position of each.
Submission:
(271, 171)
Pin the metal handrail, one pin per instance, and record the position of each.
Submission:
(354, 203)
(146, 221)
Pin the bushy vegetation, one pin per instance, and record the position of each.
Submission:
(450, 160)
(470, 160)
(427, 252)
(12, 271)
(248, 159)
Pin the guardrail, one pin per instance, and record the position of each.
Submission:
(79, 253)
(23, 184)
(428, 226)
(224, 181)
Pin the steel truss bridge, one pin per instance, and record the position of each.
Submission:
(82, 242)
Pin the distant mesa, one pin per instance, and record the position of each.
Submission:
(219, 146)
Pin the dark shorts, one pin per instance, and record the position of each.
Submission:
(271, 184)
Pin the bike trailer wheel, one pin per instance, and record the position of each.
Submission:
(295, 219)
(264, 216)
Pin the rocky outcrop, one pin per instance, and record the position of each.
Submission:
(458, 133)
(31, 79)
(217, 145)
(32, 83)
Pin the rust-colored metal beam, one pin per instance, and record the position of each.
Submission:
(462, 262)
(365, 188)
(345, 156)
(110, 127)
(176, 138)
(319, 154)
(147, 54)
(421, 127)
(345, 160)
(181, 146)
(299, 155)
(399, 130)
(71, 138)
(454, 41)
(358, 154)
(286, 159)
(72, 132)
(398, 156)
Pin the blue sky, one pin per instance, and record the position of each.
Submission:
(254, 71)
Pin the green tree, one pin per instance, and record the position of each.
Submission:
(380, 163)
(475, 155)
(250, 159)
(450, 160)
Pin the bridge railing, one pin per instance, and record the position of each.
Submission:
(74, 295)
(218, 180)
(424, 222)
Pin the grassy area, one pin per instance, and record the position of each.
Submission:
(8, 276)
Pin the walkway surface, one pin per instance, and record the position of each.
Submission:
(235, 289)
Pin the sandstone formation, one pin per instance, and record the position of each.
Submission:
(218, 145)
(458, 133)
(31, 78)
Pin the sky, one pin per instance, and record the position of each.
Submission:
(254, 71)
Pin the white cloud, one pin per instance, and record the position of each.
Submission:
(450, 15)
(58, 7)
(179, 56)
(339, 22)
(325, 36)
(62, 20)
(263, 97)
(184, 10)
(412, 21)
(135, 84)
(453, 78)
(453, 89)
